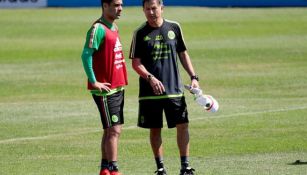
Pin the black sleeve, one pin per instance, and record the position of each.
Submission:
(135, 48)
(180, 40)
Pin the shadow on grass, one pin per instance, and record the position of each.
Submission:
(298, 162)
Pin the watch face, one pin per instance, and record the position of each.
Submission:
(149, 77)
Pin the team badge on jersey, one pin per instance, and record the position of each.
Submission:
(171, 35)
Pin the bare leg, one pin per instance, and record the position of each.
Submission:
(111, 142)
(156, 142)
(103, 143)
(183, 139)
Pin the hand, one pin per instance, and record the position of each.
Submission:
(195, 84)
(101, 86)
(156, 86)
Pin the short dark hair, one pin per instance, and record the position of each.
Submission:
(106, 1)
(159, 1)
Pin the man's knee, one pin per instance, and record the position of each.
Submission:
(183, 126)
(113, 132)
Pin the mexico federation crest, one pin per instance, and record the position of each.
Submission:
(114, 118)
(171, 35)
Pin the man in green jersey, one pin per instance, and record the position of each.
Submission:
(105, 67)
(154, 51)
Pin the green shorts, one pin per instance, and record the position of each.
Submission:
(151, 112)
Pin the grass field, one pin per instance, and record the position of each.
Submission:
(254, 61)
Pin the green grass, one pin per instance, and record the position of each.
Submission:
(254, 61)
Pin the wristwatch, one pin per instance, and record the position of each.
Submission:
(149, 77)
(195, 77)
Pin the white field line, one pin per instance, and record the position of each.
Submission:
(20, 139)
(252, 113)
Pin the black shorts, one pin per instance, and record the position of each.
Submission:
(151, 112)
(111, 109)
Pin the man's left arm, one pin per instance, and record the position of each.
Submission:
(187, 65)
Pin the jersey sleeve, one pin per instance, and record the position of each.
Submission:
(181, 44)
(135, 46)
(95, 37)
(87, 61)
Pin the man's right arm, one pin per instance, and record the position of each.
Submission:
(156, 84)
(87, 60)
(95, 37)
(140, 68)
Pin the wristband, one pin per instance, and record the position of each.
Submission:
(195, 77)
